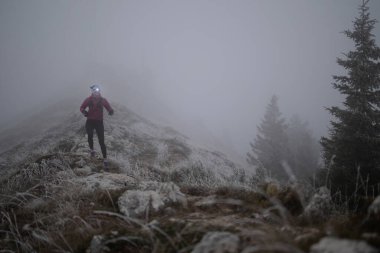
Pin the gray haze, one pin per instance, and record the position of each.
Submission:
(207, 68)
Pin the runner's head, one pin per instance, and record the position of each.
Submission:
(95, 90)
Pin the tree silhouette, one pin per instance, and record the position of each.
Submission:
(268, 148)
(351, 152)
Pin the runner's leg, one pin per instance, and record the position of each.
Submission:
(90, 134)
(100, 133)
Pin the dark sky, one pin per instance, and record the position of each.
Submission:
(208, 68)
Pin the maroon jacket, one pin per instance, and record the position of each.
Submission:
(95, 105)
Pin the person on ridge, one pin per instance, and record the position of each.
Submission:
(94, 121)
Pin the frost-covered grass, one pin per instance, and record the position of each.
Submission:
(44, 208)
(49, 205)
(54, 211)
(42, 204)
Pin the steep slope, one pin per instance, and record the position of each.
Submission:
(132, 141)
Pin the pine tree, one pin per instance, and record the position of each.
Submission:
(268, 149)
(352, 150)
(303, 149)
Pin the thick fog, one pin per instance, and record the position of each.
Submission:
(207, 68)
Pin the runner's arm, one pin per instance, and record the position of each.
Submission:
(84, 105)
(107, 106)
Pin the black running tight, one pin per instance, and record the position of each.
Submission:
(99, 128)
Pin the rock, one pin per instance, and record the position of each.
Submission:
(336, 245)
(155, 194)
(218, 242)
(135, 202)
(320, 206)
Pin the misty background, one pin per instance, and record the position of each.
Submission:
(206, 68)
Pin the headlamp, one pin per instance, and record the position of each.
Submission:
(95, 88)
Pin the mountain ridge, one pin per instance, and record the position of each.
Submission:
(130, 139)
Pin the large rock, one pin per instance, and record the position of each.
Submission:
(336, 245)
(320, 206)
(218, 242)
(152, 196)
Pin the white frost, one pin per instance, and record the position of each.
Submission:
(320, 205)
(136, 202)
(150, 195)
(336, 245)
(105, 181)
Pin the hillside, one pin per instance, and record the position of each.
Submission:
(62, 202)
(132, 141)
(163, 193)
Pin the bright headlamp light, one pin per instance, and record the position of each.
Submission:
(95, 88)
